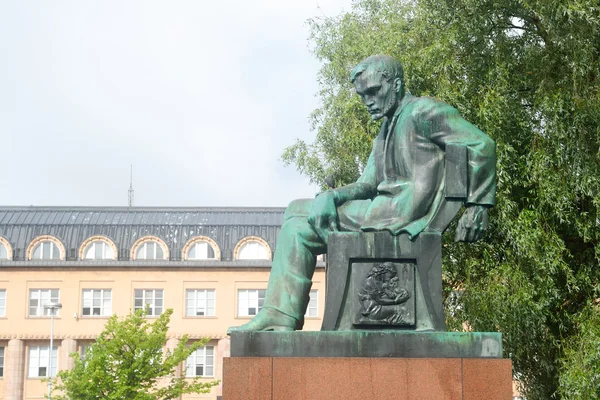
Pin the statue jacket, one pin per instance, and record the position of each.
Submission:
(407, 166)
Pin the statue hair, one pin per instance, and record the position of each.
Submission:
(388, 66)
(383, 268)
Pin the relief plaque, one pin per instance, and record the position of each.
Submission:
(387, 296)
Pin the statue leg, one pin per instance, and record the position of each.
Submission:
(293, 267)
(291, 273)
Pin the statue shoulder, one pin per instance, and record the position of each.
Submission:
(427, 108)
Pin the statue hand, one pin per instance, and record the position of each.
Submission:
(323, 215)
(472, 224)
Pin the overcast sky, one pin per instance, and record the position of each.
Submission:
(200, 96)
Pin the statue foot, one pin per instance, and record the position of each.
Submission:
(267, 319)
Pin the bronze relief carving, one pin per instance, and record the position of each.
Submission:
(384, 296)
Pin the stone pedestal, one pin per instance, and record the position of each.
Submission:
(355, 365)
(314, 378)
(367, 344)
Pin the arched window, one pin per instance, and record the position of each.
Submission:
(149, 248)
(201, 248)
(5, 250)
(46, 248)
(252, 248)
(98, 248)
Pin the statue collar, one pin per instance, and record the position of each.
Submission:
(405, 100)
(388, 123)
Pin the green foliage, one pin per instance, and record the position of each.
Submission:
(580, 378)
(127, 362)
(527, 73)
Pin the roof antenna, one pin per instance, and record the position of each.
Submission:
(131, 186)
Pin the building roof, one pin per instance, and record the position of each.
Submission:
(124, 225)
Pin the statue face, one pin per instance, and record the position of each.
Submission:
(379, 95)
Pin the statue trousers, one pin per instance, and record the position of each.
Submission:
(295, 256)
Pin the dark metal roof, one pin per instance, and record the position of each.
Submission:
(124, 225)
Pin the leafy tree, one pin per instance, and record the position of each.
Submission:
(127, 362)
(527, 72)
(580, 378)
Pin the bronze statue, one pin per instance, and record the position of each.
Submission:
(401, 188)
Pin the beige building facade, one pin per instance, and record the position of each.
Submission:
(210, 266)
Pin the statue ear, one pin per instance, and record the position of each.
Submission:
(398, 85)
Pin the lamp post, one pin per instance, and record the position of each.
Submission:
(52, 307)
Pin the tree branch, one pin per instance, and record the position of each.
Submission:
(541, 30)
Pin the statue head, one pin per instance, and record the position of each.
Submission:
(379, 81)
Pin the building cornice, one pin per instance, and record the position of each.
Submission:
(60, 336)
(138, 265)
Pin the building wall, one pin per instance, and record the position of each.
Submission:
(71, 329)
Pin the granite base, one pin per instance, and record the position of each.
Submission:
(314, 378)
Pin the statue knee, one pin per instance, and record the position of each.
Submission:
(296, 226)
(298, 208)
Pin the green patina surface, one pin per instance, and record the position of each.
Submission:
(461, 338)
(367, 344)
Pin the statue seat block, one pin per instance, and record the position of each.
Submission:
(376, 281)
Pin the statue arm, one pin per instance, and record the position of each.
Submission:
(364, 188)
(353, 191)
(323, 214)
(444, 125)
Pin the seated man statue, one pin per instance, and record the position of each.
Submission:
(400, 190)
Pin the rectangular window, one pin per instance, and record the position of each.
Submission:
(39, 361)
(150, 299)
(313, 305)
(200, 303)
(1, 362)
(83, 350)
(201, 362)
(38, 298)
(2, 302)
(250, 302)
(96, 302)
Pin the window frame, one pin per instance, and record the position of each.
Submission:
(147, 239)
(316, 304)
(204, 356)
(9, 251)
(3, 300)
(2, 360)
(98, 239)
(152, 306)
(200, 239)
(83, 349)
(196, 300)
(45, 312)
(248, 300)
(52, 355)
(103, 313)
(39, 241)
(247, 240)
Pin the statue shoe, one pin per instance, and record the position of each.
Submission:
(267, 319)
